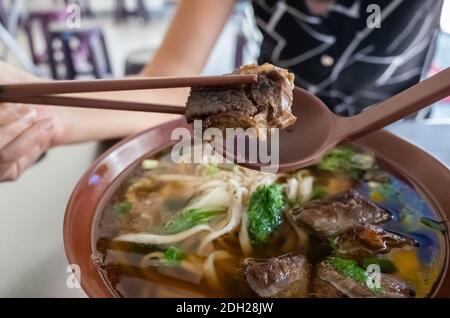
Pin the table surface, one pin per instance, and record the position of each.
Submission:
(433, 138)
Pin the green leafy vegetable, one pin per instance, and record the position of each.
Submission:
(122, 208)
(386, 266)
(190, 218)
(351, 269)
(319, 192)
(173, 256)
(264, 212)
(433, 224)
(346, 160)
(211, 169)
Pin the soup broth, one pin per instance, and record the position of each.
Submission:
(194, 230)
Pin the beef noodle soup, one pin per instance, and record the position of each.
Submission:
(342, 228)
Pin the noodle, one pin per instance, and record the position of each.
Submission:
(262, 180)
(234, 217)
(292, 189)
(154, 259)
(154, 239)
(305, 185)
(191, 267)
(223, 243)
(210, 184)
(209, 269)
(149, 259)
(306, 188)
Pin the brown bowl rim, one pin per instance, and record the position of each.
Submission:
(389, 148)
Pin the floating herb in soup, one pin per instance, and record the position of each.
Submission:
(220, 230)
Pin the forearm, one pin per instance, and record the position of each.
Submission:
(79, 125)
(95, 124)
(184, 51)
(190, 38)
(86, 125)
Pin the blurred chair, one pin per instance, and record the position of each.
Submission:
(78, 48)
(67, 49)
(40, 21)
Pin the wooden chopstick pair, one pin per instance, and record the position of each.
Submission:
(48, 93)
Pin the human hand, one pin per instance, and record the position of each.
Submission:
(25, 134)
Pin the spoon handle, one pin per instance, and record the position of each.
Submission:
(408, 102)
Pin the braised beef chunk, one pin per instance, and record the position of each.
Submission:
(266, 104)
(369, 240)
(394, 287)
(282, 276)
(338, 213)
(329, 282)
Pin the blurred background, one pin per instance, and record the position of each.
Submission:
(100, 39)
(112, 38)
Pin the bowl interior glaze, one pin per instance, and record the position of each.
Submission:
(427, 175)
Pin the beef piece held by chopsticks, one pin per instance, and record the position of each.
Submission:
(266, 104)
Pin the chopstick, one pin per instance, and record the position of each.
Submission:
(95, 103)
(78, 86)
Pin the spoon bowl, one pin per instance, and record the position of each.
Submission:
(318, 130)
(312, 134)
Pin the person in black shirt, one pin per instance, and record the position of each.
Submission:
(350, 53)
